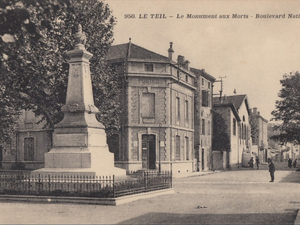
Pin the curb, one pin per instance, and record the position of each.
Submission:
(195, 174)
(83, 200)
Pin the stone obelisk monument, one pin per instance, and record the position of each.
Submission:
(79, 140)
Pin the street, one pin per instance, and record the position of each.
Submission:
(242, 196)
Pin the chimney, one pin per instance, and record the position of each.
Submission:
(170, 50)
(180, 60)
(186, 64)
(254, 110)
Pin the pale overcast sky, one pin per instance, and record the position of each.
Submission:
(253, 53)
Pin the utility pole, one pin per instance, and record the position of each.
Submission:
(221, 91)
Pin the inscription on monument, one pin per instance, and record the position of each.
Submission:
(70, 140)
(75, 68)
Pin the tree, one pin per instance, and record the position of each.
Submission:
(287, 110)
(220, 140)
(34, 69)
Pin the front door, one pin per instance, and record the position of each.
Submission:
(148, 151)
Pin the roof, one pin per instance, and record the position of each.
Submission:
(230, 105)
(237, 100)
(202, 73)
(132, 51)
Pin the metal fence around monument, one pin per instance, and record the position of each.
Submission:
(83, 186)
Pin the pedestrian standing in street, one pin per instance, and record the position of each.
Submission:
(295, 163)
(271, 169)
(290, 163)
(257, 162)
(251, 161)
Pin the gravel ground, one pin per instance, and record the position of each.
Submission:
(232, 197)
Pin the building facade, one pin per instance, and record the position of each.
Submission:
(28, 145)
(157, 129)
(236, 112)
(203, 119)
(229, 157)
(259, 135)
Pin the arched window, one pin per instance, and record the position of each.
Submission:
(29, 149)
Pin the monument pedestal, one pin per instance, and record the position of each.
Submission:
(79, 140)
(80, 154)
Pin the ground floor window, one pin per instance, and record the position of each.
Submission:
(177, 146)
(29, 149)
(187, 149)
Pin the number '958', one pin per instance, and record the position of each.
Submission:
(129, 16)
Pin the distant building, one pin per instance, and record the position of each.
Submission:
(281, 151)
(259, 135)
(28, 145)
(236, 112)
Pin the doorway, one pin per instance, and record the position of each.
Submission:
(148, 151)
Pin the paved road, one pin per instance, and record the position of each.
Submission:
(232, 197)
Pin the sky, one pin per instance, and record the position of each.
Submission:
(253, 50)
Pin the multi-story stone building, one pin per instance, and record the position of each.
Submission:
(158, 99)
(203, 119)
(259, 135)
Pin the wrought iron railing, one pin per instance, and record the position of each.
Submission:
(83, 186)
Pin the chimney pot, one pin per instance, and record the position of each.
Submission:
(255, 110)
(180, 60)
(186, 64)
(170, 50)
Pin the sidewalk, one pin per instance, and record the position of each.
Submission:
(195, 174)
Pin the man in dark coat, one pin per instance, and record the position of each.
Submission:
(290, 163)
(271, 169)
(295, 163)
(257, 162)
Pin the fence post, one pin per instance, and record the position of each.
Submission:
(114, 186)
(146, 180)
(171, 175)
(49, 184)
(39, 182)
(28, 185)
